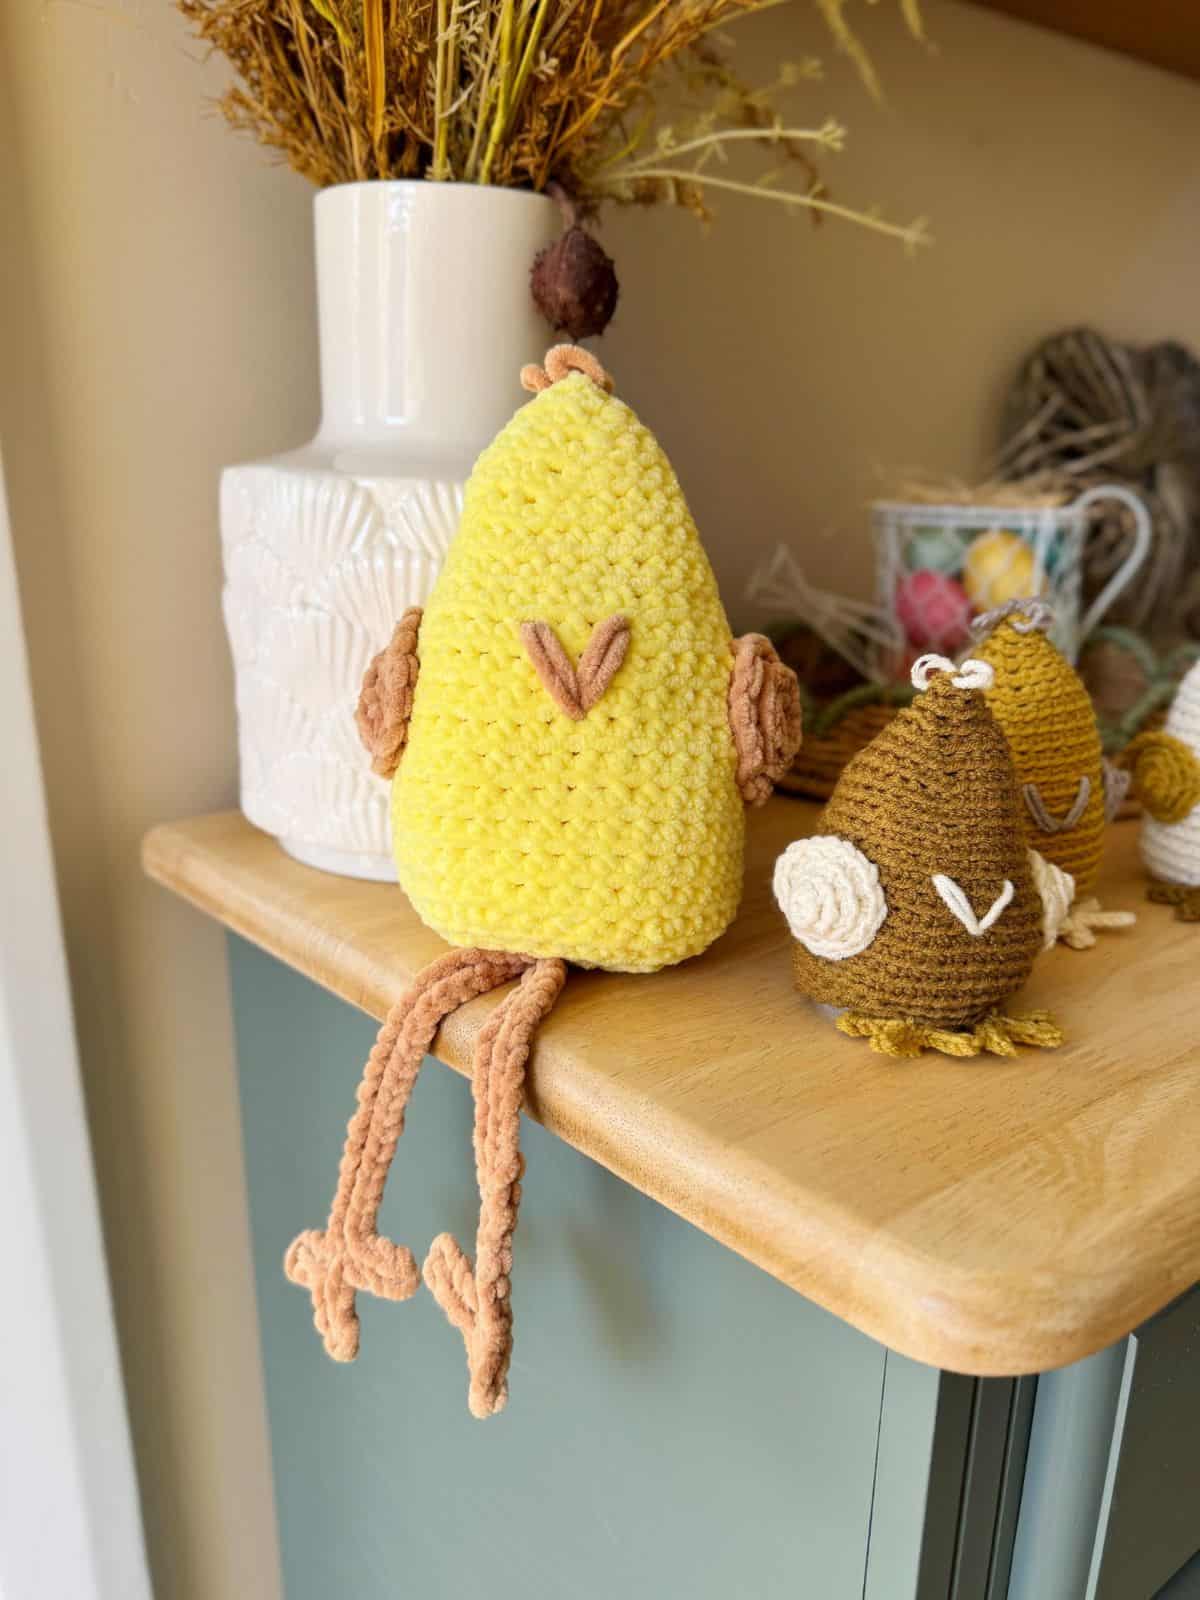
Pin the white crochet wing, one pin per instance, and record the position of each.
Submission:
(1056, 890)
(831, 895)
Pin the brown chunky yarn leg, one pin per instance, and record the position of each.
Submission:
(349, 1254)
(478, 1301)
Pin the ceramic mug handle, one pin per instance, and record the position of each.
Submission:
(1132, 564)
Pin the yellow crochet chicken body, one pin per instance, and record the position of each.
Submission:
(611, 838)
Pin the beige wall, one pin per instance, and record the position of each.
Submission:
(156, 321)
(790, 373)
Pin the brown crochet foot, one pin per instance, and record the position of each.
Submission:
(349, 1255)
(478, 1300)
(996, 1035)
(326, 1266)
(1185, 900)
(1085, 919)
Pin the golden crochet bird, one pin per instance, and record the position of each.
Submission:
(574, 734)
(917, 907)
(1166, 779)
(1069, 792)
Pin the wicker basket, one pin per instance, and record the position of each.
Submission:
(1130, 683)
(837, 730)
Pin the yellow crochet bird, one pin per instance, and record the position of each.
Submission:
(1068, 791)
(573, 733)
(562, 792)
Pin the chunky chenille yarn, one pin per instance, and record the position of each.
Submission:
(545, 803)
(573, 733)
(1047, 717)
(932, 803)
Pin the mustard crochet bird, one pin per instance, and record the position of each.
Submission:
(573, 733)
(1166, 779)
(917, 907)
(1069, 793)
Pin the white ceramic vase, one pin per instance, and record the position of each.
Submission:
(425, 321)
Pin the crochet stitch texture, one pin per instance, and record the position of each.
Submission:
(612, 839)
(934, 795)
(1047, 717)
(1171, 848)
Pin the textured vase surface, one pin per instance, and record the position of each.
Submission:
(425, 321)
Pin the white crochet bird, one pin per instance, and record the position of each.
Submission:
(1166, 779)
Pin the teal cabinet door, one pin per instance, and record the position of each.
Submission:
(681, 1426)
(1111, 1503)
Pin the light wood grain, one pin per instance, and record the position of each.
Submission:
(991, 1217)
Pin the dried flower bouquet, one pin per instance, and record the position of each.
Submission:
(528, 94)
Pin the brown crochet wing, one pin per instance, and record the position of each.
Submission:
(764, 715)
(575, 690)
(385, 703)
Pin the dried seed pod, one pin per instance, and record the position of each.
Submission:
(574, 284)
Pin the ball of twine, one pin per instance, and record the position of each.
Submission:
(1086, 410)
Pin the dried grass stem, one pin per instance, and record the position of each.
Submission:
(517, 93)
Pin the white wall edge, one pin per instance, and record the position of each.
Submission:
(70, 1521)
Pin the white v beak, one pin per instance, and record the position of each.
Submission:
(958, 903)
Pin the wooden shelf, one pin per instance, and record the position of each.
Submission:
(1163, 32)
(990, 1217)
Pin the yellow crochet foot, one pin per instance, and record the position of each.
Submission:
(1186, 901)
(1086, 918)
(996, 1035)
